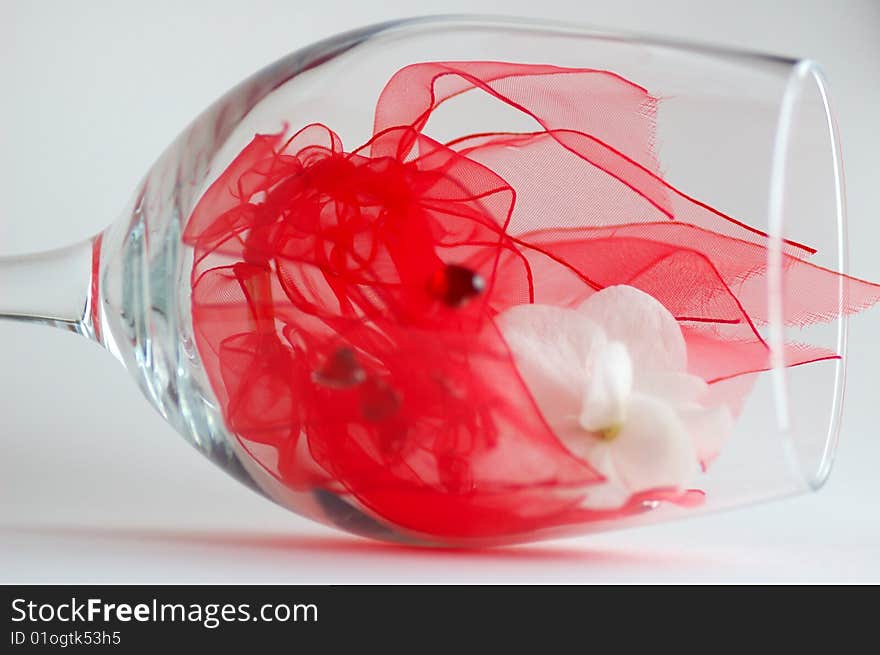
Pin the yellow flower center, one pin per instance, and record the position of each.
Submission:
(610, 433)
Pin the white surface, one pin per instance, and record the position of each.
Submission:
(95, 487)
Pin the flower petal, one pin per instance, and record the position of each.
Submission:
(551, 347)
(606, 395)
(709, 429)
(677, 389)
(650, 333)
(612, 493)
(653, 449)
(709, 426)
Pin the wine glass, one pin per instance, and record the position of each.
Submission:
(477, 281)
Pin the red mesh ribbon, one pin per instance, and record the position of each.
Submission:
(322, 307)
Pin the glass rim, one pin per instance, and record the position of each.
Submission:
(586, 30)
(805, 74)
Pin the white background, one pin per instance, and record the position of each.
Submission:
(95, 487)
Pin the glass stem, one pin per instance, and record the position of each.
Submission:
(52, 288)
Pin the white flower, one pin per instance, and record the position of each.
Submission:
(610, 379)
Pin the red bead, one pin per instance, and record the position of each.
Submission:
(341, 370)
(379, 401)
(454, 284)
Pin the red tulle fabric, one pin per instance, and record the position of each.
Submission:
(344, 356)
